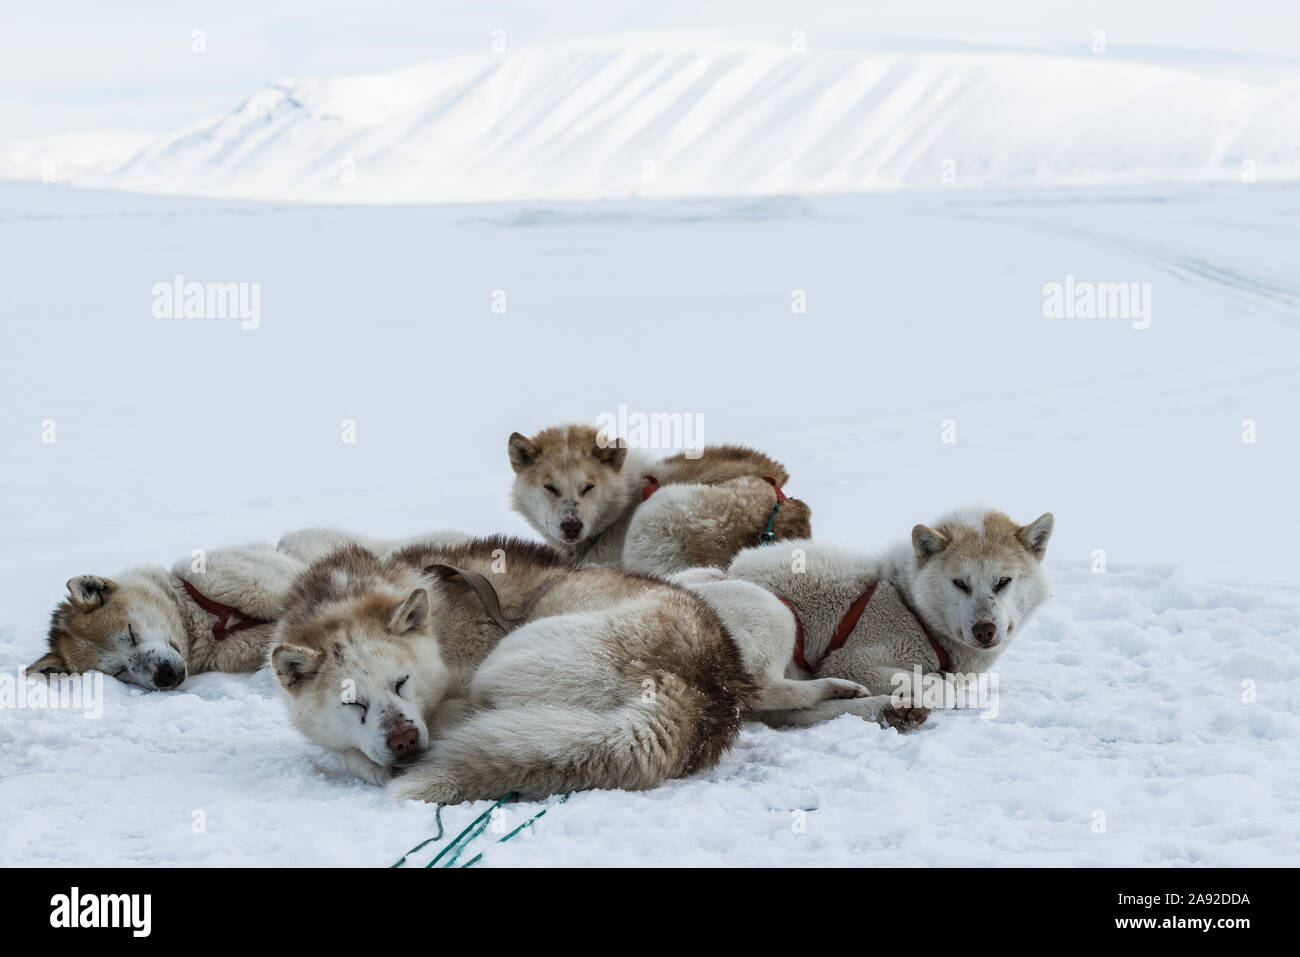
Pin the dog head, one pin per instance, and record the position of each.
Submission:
(981, 575)
(132, 631)
(568, 481)
(356, 654)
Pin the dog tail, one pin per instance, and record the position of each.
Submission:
(539, 749)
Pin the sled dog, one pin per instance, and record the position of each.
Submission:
(153, 627)
(465, 672)
(597, 503)
(950, 601)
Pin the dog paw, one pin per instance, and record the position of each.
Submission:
(843, 688)
(903, 719)
(360, 766)
(426, 784)
(698, 576)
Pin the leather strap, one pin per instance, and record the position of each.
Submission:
(482, 588)
(487, 595)
(221, 628)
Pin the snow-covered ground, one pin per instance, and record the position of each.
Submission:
(924, 320)
(706, 114)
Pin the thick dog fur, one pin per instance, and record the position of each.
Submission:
(143, 626)
(975, 579)
(601, 679)
(584, 495)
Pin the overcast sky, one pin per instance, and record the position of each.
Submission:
(127, 64)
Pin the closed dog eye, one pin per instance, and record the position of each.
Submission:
(358, 704)
(397, 687)
(1002, 583)
(586, 490)
(961, 585)
(552, 489)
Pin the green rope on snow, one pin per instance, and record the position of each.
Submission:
(471, 833)
(540, 814)
(437, 819)
(477, 826)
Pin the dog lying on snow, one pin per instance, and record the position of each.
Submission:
(950, 602)
(153, 627)
(496, 665)
(595, 503)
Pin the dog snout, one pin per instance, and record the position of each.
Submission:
(166, 676)
(571, 528)
(403, 741)
(985, 632)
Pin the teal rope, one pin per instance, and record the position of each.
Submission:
(437, 819)
(471, 833)
(767, 537)
(477, 826)
(538, 816)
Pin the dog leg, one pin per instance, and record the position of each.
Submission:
(698, 576)
(362, 767)
(309, 544)
(880, 679)
(877, 708)
(786, 693)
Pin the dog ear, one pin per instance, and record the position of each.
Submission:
(411, 615)
(926, 542)
(294, 664)
(609, 450)
(522, 452)
(88, 592)
(50, 663)
(1034, 536)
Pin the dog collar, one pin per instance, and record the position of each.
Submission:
(222, 628)
(768, 536)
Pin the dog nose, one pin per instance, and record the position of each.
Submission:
(165, 676)
(403, 740)
(571, 528)
(984, 632)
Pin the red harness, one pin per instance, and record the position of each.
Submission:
(845, 628)
(221, 628)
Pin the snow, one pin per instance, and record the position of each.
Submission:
(1125, 696)
(707, 114)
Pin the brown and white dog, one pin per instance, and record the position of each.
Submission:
(598, 504)
(949, 603)
(466, 672)
(153, 627)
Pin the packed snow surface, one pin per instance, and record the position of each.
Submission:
(1148, 715)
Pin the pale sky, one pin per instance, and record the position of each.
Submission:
(72, 65)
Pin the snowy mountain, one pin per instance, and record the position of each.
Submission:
(662, 116)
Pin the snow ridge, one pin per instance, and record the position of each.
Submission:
(653, 118)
